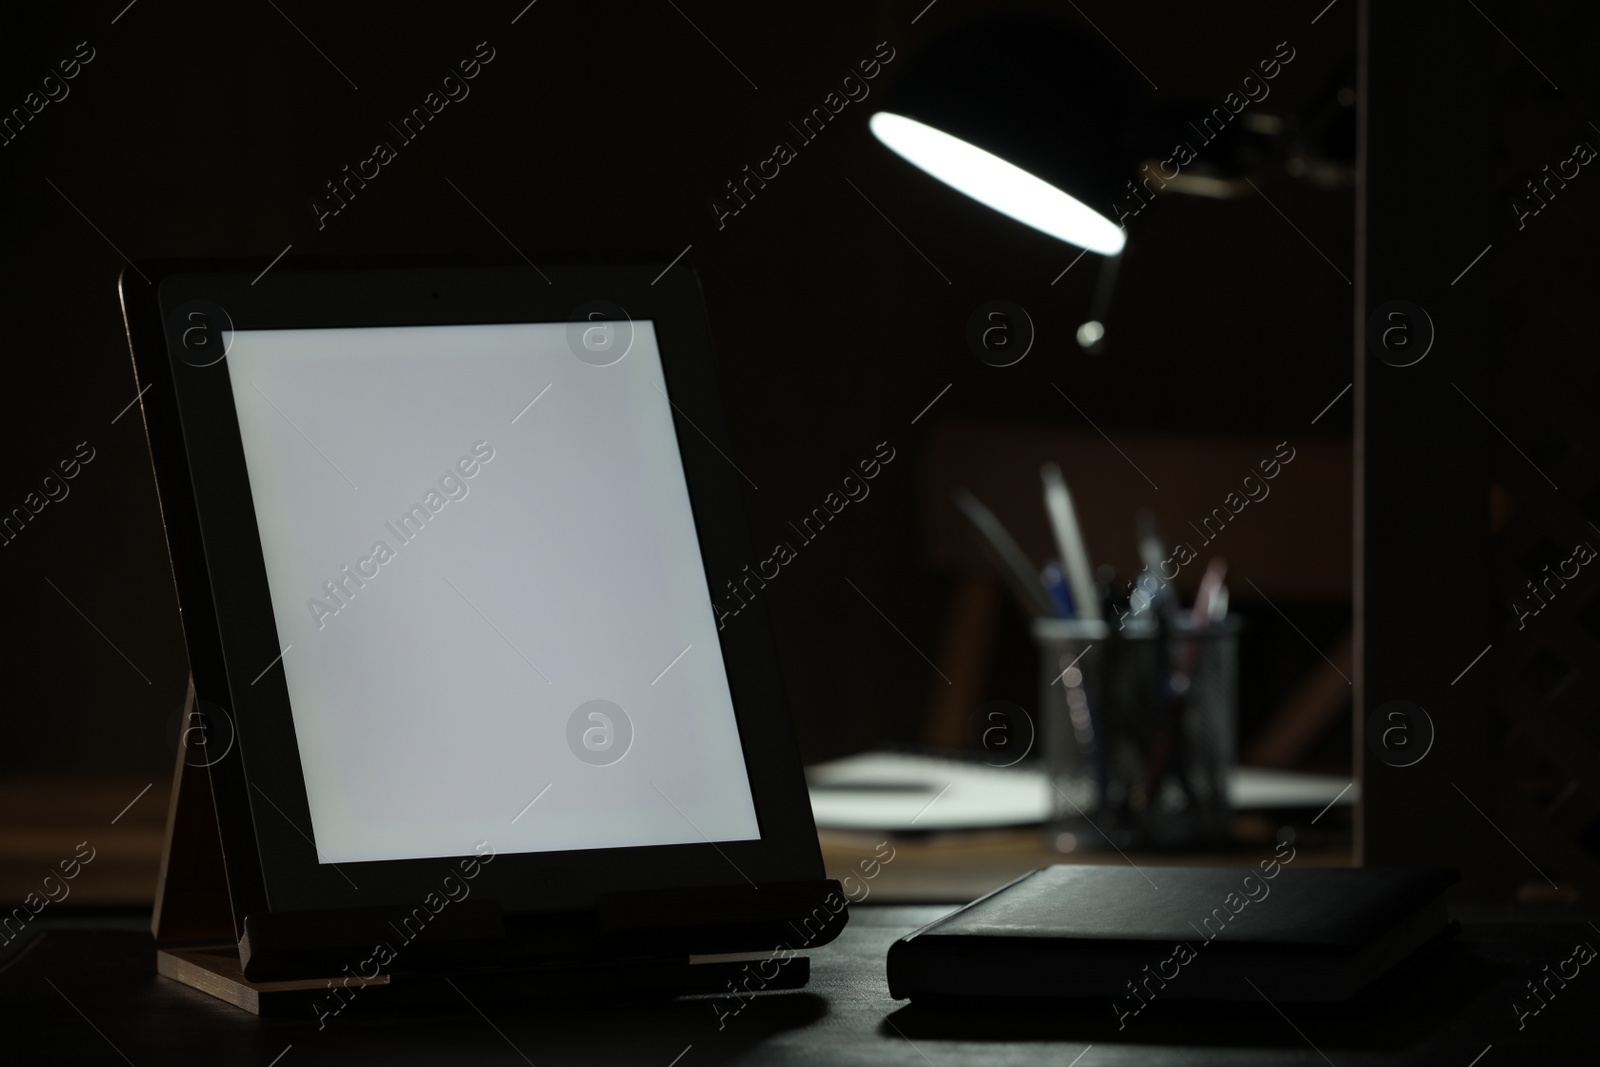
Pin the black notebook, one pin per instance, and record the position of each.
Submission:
(1177, 933)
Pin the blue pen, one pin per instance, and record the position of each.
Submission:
(1056, 587)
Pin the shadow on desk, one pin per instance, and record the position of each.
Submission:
(1396, 1014)
(62, 977)
(87, 992)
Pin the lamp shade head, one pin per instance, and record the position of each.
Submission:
(1032, 118)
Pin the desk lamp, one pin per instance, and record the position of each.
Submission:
(1049, 125)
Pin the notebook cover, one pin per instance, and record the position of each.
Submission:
(1334, 909)
(1327, 913)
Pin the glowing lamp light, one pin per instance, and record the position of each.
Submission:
(1003, 186)
(1034, 118)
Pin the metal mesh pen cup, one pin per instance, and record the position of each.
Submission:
(1138, 729)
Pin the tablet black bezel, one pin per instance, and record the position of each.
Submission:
(229, 624)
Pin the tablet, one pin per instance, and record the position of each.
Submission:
(446, 539)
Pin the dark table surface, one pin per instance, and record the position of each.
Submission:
(84, 990)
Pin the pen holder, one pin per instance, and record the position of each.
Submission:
(1138, 729)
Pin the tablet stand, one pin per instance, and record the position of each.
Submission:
(193, 920)
(296, 958)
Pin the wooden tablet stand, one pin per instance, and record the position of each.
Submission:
(193, 920)
(303, 956)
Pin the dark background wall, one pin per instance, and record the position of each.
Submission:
(1483, 462)
(204, 129)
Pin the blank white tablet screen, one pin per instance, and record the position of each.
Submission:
(483, 563)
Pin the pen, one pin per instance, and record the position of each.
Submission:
(1003, 552)
(1211, 602)
(1085, 730)
(1055, 586)
(1069, 540)
(1210, 607)
(1153, 553)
